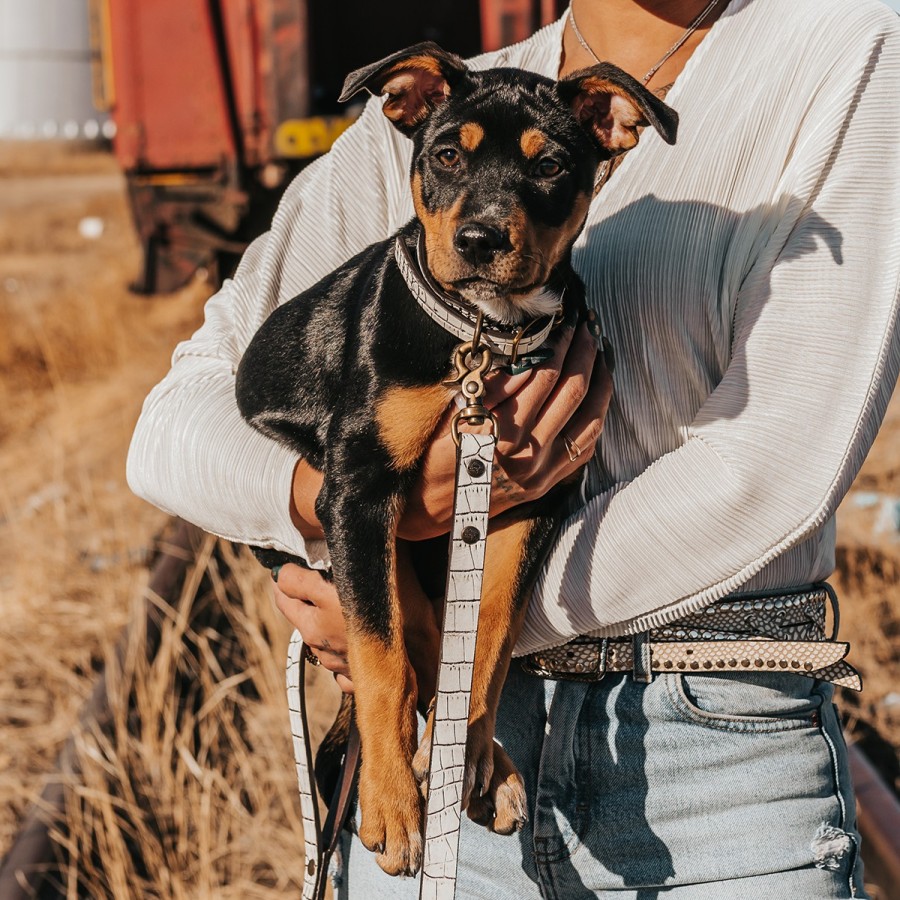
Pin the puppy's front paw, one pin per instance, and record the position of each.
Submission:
(493, 791)
(502, 807)
(391, 824)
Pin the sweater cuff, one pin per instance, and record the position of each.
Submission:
(283, 534)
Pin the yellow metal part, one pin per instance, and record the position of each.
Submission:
(169, 179)
(309, 137)
(472, 415)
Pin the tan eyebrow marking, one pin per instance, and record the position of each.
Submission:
(532, 142)
(470, 136)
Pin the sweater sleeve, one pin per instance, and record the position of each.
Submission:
(775, 447)
(192, 454)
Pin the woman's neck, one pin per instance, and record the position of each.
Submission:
(636, 34)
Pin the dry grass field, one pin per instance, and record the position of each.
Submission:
(195, 795)
(192, 794)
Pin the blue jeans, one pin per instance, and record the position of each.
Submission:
(692, 787)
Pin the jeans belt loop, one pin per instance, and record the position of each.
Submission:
(640, 645)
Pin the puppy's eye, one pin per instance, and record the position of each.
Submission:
(448, 157)
(548, 167)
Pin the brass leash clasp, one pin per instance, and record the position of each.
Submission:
(472, 360)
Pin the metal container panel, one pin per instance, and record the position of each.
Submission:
(199, 83)
(168, 99)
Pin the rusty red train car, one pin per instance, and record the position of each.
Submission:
(219, 103)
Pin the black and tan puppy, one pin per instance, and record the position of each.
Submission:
(350, 375)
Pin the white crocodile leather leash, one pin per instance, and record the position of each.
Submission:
(320, 842)
(313, 880)
(454, 686)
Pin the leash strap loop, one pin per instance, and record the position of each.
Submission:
(471, 507)
(314, 877)
(320, 843)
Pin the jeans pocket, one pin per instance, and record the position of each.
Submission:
(747, 702)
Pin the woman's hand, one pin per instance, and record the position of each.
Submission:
(538, 412)
(311, 604)
(565, 398)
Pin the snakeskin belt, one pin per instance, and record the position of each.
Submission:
(750, 633)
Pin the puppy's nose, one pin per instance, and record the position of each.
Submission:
(477, 243)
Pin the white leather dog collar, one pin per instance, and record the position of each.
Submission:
(459, 319)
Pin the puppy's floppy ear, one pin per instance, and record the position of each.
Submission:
(415, 80)
(611, 105)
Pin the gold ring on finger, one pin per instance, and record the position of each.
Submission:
(572, 448)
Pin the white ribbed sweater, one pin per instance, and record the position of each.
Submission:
(747, 278)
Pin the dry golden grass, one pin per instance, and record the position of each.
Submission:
(194, 794)
(188, 790)
(191, 793)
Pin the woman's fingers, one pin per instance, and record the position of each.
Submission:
(518, 413)
(307, 585)
(344, 683)
(571, 388)
(579, 435)
(313, 607)
(498, 386)
(569, 394)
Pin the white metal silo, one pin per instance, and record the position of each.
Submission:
(45, 70)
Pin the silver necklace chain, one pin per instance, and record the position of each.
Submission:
(665, 57)
(606, 165)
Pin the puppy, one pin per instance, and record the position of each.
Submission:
(350, 375)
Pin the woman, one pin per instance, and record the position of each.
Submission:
(747, 279)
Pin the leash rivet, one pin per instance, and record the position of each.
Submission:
(471, 535)
(311, 868)
(475, 468)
